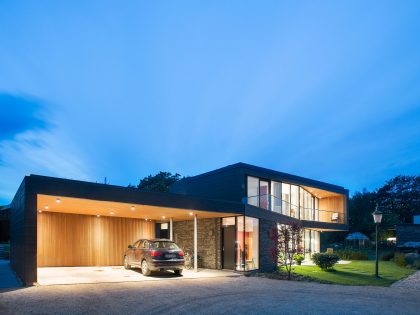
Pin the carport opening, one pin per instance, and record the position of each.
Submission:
(74, 232)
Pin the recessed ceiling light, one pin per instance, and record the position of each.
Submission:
(145, 219)
(98, 216)
(191, 213)
(58, 200)
(132, 208)
(163, 217)
(40, 211)
(112, 212)
(46, 207)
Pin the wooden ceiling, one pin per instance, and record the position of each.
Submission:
(321, 193)
(119, 209)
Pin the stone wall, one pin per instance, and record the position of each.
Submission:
(266, 245)
(209, 240)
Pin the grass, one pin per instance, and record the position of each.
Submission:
(361, 272)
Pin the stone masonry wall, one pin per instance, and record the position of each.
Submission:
(266, 260)
(209, 240)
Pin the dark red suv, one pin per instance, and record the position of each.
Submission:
(154, 255)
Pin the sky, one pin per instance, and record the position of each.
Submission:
(328, 90)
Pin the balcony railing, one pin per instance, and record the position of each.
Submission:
(275, 204)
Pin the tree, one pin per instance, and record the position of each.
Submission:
(288, 240)
(399, 199)
(361, 206)
(159, 182)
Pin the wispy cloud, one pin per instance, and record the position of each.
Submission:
(32, 145)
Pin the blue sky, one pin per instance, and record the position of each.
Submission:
(322, 89)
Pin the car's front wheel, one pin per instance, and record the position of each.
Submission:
(178, 272)
(145, 268)
(126, 264)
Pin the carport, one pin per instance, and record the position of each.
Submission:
(67, 223)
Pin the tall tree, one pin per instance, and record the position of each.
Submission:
(361, 206)
(399, 199)
(159, 182)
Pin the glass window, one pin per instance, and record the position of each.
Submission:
(285, 193)
(294, 200)
(276, 196)
(253, 190)
(164, 245)
(251, 243)
(263, 194)
(240, 243)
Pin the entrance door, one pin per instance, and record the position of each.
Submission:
(229, 247)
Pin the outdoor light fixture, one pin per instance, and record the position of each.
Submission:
(40, 211)
(132, 208)
(112, 212)
(98, 216)
(163, 217)
(58, 200)
(46, 207)
(377, 218)
(191, 213)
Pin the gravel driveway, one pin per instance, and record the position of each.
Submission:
(240, 295)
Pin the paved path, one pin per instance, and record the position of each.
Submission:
(223, 295)
(7, 276)
(411, 282)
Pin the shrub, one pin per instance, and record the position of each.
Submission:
(416, 264)
(387, 256)
(298, 258)
(325, 261)
(399, 259)
(348, 254)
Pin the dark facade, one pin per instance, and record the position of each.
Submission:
(407, 233)
(218, 192)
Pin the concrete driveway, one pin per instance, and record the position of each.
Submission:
(79, 275)
(221, 295)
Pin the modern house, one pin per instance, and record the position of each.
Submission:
(225, 215)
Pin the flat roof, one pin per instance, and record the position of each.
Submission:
(275, 175)
(95, 198)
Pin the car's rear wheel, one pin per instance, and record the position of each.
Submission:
(126, 264)
(178, 272)
(145, 268)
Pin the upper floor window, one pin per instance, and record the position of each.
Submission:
(258, 192)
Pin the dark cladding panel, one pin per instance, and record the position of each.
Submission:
(17, 232)
(227, 184)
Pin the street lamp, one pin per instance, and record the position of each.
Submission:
(377, 218)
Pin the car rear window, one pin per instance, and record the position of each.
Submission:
(164, 245)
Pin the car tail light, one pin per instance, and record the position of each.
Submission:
(155, 254)
(181, 253)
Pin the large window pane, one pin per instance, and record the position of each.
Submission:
(253, 190)
(240, 243)
(285, 193)
(294, 200)
(251, 243)
(276, 196)
(263, 194)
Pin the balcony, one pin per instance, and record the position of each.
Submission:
(272, 203)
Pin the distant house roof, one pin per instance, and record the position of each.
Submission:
(357, 236)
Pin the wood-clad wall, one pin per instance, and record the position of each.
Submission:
(84, 240)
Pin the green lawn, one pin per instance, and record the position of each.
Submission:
(358, 272)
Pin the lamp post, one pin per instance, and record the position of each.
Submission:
(377, 218)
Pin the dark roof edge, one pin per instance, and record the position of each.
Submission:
(135, 190)
(266, 170)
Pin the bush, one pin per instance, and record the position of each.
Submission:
(298, 258)
(387, 256)
(325, 261)
(348, 254)
(416, 264)
(399, 259)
